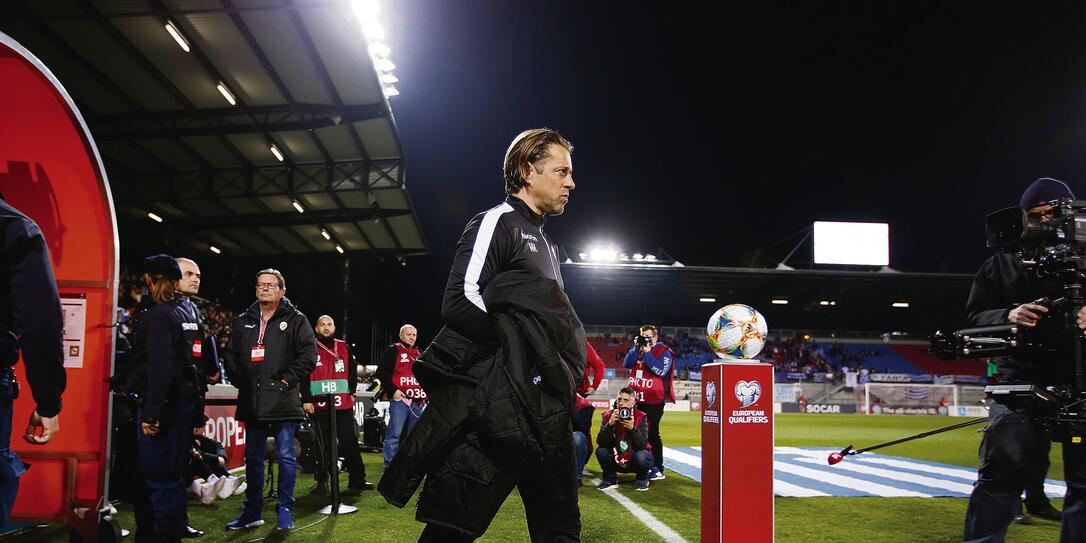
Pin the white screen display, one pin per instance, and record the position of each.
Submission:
(852, 243)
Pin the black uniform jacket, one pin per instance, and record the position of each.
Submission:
(290, 353)
(162, 354)
(1002, 284)
(510, 403)
(30, 308)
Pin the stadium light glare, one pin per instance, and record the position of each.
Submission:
(391, 91)
(326, 235)
(365, 10)
(828, 302)
(215, 250)
(380, 49)
(389, 79)
(638, 256)
(900, 304)
(297, 205)
(583, 256)
(339, 248)
(385, 65)
(707, 300)
(373, 31)
(177, 37)
(650, 257)
(780, 301)
(226, 93)
(278, 154)
(154, 217)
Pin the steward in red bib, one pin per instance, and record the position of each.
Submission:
(396, 372)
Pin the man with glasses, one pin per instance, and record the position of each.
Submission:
(272, 349)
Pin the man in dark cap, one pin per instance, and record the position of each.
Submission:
(1014, 449)
(31, 321)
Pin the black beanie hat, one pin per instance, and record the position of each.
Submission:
(1044, 190)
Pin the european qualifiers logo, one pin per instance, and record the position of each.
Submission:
(710, 415)
(748, 393)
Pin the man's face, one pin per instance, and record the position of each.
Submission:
(267, 288)
(651, 334)
(326, 327)
(624, 400)
(550, 180)
(189, 284)
(1041, 213)
(408, 336)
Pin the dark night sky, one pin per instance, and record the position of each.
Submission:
(712, 133)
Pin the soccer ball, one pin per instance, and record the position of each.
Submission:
(736, 331)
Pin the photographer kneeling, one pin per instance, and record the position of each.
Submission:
(624, 442)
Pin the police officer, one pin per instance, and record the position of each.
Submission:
(169, 384)
(31, 321)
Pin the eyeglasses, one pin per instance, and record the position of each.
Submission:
(269, 286)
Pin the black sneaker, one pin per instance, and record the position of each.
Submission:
(1024, 520)
(1047, 512)
(605, 484)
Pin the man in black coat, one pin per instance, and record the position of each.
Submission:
(30, 321)
(272, 349)
(501, 375)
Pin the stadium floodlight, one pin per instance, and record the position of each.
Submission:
(707, 300)
(226, 93)
(780, 301)
(278, 154)
(583, 256)
(900, 304)
(638, 256)
(650, 257)
(339, 248)
(177, 37)
(827, 302)
(154, 217)
(385, 65)
(215, 250)
(380, 49)
(326, 235)
(297, 205)
(365, 10)
(391, 91)
(373, 31)
(389, 79)
(603, 253)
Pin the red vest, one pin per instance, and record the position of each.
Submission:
(403, 379)
(649, 386)
(622, 457)
(334, 365)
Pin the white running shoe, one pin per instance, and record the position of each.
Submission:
(230, 484)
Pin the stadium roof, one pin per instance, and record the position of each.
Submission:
(817, 300)
(188, 136)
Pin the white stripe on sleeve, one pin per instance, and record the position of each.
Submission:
(479, 251)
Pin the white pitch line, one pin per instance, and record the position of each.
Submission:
(646, 518)
(682, 458)
(781, 488)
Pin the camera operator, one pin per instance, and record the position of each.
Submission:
(652, 365)
(624, 443)
(1014, 448)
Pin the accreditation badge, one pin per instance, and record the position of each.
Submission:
(197, 349)
(256, 354)
(340, 366)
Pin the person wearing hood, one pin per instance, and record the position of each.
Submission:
(272, 350)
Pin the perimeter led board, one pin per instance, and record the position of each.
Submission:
(852, 243)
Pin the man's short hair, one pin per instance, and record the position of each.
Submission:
(529, 147)
(650, 327)
(406, 326)
(626, 390)
(272, 271)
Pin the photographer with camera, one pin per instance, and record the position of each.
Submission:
(652, 368)
(624, 442)
(1014, 449)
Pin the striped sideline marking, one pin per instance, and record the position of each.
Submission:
(803, 472)
(661, 529)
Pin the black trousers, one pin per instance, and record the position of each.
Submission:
(347, 435)
(655, 413)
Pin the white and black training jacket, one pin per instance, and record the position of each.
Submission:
(508, 237)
